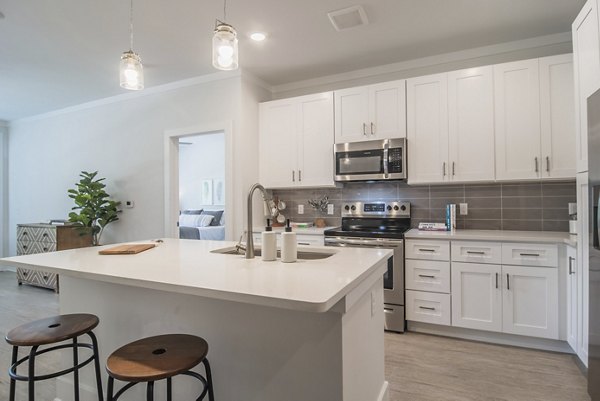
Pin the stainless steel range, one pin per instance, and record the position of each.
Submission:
(378, 225)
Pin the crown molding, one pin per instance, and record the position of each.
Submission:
(202, 79)
(248, 76)
(462, 55)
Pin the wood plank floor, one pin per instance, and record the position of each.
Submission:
(419, 367)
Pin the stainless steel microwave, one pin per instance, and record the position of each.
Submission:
(371, 160)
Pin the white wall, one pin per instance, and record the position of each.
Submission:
(3, 188)
(203, 159)
(124, 141)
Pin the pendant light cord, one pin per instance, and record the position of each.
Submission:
(131, 26)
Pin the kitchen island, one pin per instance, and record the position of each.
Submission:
(311, 330)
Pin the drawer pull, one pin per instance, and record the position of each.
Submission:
(25, 274)
(303, 243)
(571, 259)
(507, 281)
(44, 235)
(426, 250)
(45, 249)
(24, 232)
(530, 254)
(425, 275)
(45, 277)
(476, 252)
(496, 280)
(426, 308)
(24, 246)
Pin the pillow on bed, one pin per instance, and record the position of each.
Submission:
(217, 216)
(195, 220)
(192, 211)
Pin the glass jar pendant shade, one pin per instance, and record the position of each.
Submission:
(131, 71)
(225, 47)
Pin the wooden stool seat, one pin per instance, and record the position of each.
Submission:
(156, 358)
(52, 330)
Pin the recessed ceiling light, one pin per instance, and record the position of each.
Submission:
(258, 36)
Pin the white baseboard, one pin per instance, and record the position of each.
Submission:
(491, 337)
(384, 394)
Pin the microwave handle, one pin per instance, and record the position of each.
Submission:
(385, 161)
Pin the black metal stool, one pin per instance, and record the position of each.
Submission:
(156, 358)
(48, 331)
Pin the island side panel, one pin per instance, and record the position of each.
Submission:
(257, 353)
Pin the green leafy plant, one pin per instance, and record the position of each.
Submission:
(95, 208)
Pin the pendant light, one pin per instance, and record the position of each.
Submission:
(225, 44)
(131, 71)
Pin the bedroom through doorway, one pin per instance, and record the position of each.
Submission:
(202, 186)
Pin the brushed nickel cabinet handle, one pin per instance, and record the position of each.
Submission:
(293, 176)
(496, 280)
(299, 175)
(571, 259)
(426, 308)
(426, 276)
(372, 129)
(303, 243)
(444, 169)
(476, 252)
(365, 129)
(547, 163)
(530, 254)
(453, 169)
(426, 250)
(507, 281)
(536, 165)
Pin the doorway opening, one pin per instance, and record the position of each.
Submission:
(202, 194)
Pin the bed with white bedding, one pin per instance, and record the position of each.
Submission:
(202, 225)
(210, 233)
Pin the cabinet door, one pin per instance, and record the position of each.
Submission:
(583, 255)
(471, 124)
(277, 143)
(586, 58)
(387, 110)
(315, 140)
(530, 301)
(427, 133)
(477, 296)
(517, 120)
(572, 297)
(557, 110)
(352, 115)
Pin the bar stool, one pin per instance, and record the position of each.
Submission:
(48, 331)
(156, 358)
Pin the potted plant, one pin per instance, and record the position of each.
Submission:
(95, 208)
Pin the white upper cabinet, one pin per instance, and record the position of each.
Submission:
(586, 51)
(296, 142)
(471, 124)
(557, 112)
(427, 129)
(371, 112)
(517, 115)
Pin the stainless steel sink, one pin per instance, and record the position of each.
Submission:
(304, 255)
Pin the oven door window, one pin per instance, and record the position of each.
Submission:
(388, 277)
(359, 162)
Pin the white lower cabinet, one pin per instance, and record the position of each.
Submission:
(477, 296)
(428, 307)
(530, 301)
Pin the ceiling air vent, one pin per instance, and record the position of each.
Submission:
(347, 18)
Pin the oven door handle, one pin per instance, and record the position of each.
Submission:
(374, 243)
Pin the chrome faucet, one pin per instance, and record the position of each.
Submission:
(250, 240)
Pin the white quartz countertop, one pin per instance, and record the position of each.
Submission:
(496, 235)
(188, 267)
(300, 231)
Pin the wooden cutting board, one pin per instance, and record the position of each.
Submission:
(127, 249)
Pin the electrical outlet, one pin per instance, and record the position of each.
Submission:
(330, 209)
(464, 209)
(129, 204)
(300, 209)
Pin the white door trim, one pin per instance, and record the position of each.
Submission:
(171, 164)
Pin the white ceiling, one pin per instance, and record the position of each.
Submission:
(59, 53)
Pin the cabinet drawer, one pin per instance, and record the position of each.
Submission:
(477, 252)
(427, 250)
(530, 254)
(39, 234)
(31, 247)
(427, 275)
(428, 307)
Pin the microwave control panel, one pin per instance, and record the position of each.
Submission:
(395, 160)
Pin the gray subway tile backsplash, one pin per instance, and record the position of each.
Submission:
(511, 206)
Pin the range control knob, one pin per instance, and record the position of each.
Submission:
(353, 207)
(389, 208)
(396, 208)
(347, 207)
(403, 208)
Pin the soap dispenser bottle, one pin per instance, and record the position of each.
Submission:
(269, 243)
(289, 246)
